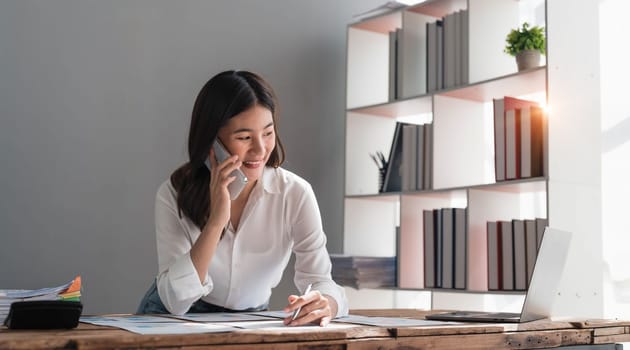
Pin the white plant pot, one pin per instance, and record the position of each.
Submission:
(527, 59)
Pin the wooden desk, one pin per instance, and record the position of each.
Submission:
(543, 334)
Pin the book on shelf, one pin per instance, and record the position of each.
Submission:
(454, 45)
(445, 245)
(519, 127)
(541, 224)
(526, 142)
(429, 249)
(432, 56)
(450, 60)
(512, 144)
(512, 251)
(440, 54)
(393, 178)
(494, 256)
(447, 46)
(409, 164)
(414, 163)
(499, 139)
(531, 247)
(393, 65)
(448, 245)
(457, 30)
(520, 255)
(409, 157)
(437, 237)
(427, 177)
(465, 44)
(507, 254)
(453, 248)
(514, 136)
(533, 126)
(461, 243)
(414, 53)
(420, 157)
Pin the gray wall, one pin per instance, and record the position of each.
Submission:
(95, 101)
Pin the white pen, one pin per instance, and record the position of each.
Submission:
(296, 312)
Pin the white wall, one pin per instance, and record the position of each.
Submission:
(615, 154)
(95, 101)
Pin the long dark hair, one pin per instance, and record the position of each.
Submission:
(221, 98)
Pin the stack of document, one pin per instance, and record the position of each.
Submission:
(70, 291)
(364, 271)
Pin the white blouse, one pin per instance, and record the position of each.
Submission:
(281, 215)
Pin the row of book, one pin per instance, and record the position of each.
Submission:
(410, 159)
(445, 241)
(364, 271)
(512, 250)
(447, 51)
(519, 138)
(70, 291)
(428, 54)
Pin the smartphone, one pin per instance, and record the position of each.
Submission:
(236, 186)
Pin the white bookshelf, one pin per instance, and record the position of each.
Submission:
(462, 148)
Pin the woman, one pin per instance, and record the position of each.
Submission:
(216, 254)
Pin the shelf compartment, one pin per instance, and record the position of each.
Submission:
(362, 174)
(520, 200)
(367, 67)
(411, 240)
(463, 143)
(370, 226)
(489, 23)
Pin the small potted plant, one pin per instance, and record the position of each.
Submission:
(526, 44)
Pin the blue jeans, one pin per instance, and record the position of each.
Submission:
(152, 304)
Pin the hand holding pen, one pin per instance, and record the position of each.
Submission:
(312, 307)
(297, 311)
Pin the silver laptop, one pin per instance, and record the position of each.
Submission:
(547, 273)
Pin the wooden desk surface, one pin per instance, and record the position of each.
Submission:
(532, 335)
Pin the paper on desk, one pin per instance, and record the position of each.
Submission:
(99, 320)
(28, 293)
(144, 324)
(389, 321)
(279, 324)
(173, 328)
(221, 317)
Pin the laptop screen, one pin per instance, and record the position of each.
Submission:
(548, 269)
(550, 262)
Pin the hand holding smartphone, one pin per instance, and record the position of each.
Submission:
(236, 186)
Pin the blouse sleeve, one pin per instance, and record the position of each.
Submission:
(312, 264)
(178, 283)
